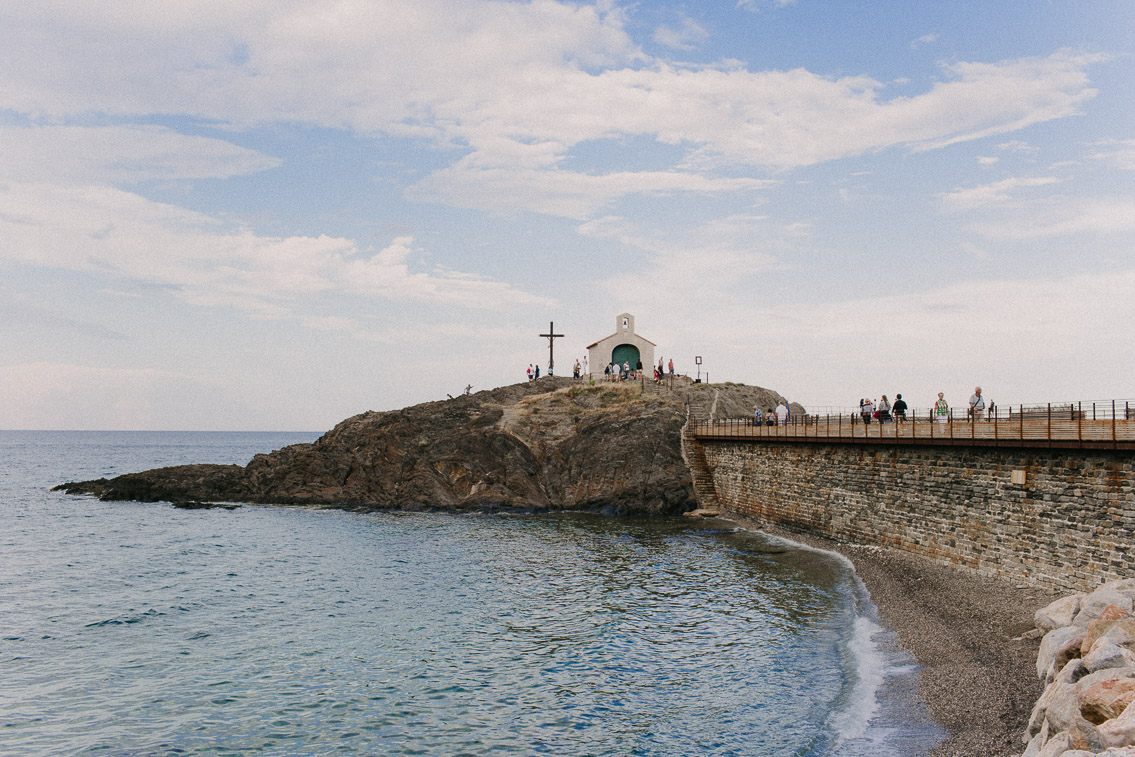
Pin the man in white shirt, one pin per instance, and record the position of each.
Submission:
(782, 414)
(976, 404)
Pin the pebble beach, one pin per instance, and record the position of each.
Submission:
(972, 636)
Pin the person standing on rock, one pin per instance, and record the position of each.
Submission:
(671, 364)
(575, 372)
(530, 371)
(941, 409)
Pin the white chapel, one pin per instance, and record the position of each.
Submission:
(624, 346)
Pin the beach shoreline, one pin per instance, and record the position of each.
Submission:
(977, 675)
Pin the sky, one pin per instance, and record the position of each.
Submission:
(275, 214)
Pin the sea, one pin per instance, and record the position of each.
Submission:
(141, 629)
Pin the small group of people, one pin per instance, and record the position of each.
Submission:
(777, 416)
(533, 372)
(975, 412)
(624, 372)
(579, 370)
(882, 410)
(660, 371)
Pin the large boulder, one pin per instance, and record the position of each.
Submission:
(1058, 647)
(1058, 614)
(1092, 605)
(1106, 700)
(1120, 632)
(1120, 730)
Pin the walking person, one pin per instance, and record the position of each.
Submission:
(941, 409)
(899, 409)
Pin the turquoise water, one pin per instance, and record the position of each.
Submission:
(140, 629)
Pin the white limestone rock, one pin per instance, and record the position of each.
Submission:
(1107, 654)
(1093, 604)
(1058, 647)
(1057, 745)
(1119, 731)
(1059, 613)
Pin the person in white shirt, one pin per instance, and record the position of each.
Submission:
(976, 404)
(782, 414)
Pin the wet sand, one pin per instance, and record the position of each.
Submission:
(978, 677)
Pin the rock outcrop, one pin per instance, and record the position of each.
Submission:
(1087, 659)
(542, 445)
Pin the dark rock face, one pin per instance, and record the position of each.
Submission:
(537, 445)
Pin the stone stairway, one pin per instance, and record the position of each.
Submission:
(700, 407)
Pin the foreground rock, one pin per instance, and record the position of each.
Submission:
(1087, 659)
(538, 445)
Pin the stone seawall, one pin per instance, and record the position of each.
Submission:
(1069, 526)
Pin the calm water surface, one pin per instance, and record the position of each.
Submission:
(140, 629)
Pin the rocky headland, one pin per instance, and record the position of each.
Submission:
(541, 445)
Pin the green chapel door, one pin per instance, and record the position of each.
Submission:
(625, 353)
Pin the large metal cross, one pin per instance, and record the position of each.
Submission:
(551, 337)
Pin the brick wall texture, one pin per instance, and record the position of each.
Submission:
(1069, 527)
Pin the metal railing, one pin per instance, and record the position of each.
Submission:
(1078, 425)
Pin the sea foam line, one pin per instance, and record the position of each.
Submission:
(871, 663)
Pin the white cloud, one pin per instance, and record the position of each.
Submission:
(1120, 153)
(925, 39)
(120, 154)
(687, 36)
(518, 86)
(992, 195)
(1097, 216)
(1016, 145)
(988, 160)
(100, 229)
(571, 194)
(722, 255)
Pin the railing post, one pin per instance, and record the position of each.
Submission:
(1048, 431)
(1113, 439)
(995, 427)
(1021, 420)
(1080, 422)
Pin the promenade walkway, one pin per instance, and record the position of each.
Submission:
(1108, 425)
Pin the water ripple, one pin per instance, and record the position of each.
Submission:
(144, 630)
